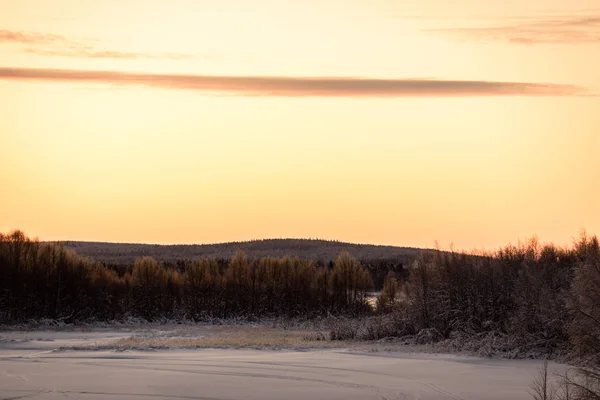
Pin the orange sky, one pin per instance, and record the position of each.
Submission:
(472, 122)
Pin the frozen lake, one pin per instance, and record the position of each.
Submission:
(36, 365)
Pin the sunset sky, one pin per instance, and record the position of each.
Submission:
(405, 122)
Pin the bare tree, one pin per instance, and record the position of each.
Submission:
(542, 387)
(564, 389)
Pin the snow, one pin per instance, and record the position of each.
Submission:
(41, 365)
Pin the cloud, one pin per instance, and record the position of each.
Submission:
(286, 86)
(29, 37)
(565, 30)
(54, 45)
(87, 52)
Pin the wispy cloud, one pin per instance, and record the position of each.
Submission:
(55, 45)
(288, 86)
(89, 52)
(563, 30)
(30, 38)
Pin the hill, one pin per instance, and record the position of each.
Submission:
(317, 250)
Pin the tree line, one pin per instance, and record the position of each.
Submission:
(548, 294)
(44, 280)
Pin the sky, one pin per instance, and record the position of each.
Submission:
(471, 123)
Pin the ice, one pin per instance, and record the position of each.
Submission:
(39, 365)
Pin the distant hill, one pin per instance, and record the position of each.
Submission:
(324, 250)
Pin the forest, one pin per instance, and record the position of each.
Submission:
(319, 251)
(44, 280)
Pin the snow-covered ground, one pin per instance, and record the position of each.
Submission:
(45, 365)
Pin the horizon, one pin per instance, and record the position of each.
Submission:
(219, 243)
(435, 245)
(412, 124)
(231, 242)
